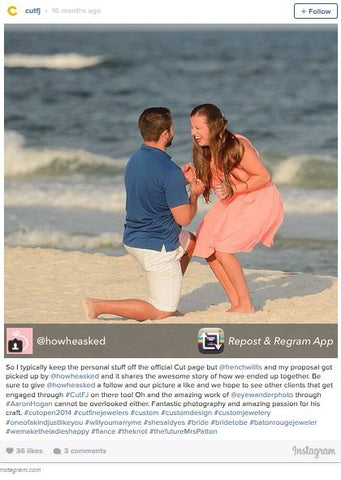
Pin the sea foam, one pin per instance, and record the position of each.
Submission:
(103, 198)
(309, 171)
(62, 61)
(62, 240)
(22, 161)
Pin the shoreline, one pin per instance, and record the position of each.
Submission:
(48, 286)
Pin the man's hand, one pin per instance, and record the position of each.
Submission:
(184, 214)
(197, 187)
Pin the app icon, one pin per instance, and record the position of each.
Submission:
(19, 340)
(12, 10)
(211, 340)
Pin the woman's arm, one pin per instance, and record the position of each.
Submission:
(189, 173)
(257, 173)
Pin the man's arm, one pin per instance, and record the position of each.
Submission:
(184, 214)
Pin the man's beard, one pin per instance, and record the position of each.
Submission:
(169, 142)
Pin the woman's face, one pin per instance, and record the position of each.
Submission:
(200, 131)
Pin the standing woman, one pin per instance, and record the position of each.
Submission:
(249, 208)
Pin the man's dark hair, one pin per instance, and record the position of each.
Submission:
(153, 121)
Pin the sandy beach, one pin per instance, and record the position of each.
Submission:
(48, 286)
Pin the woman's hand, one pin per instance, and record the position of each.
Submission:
(223, 190)
(189, 173)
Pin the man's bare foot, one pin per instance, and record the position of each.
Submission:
(89, 308)
(242, 309)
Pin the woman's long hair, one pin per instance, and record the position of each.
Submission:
(224, 148)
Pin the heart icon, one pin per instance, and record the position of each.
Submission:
(9, 450)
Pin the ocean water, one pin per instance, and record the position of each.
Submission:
(73, 97)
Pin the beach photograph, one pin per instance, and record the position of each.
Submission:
(73, 96)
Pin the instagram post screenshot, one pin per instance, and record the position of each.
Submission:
(170, 237)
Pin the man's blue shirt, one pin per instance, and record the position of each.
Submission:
(154, 184)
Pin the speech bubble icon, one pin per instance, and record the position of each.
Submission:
(57, 451)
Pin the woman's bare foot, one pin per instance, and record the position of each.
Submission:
(231, 309)
(242, 309)
(89, 308)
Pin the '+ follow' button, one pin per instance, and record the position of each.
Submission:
(316, 11)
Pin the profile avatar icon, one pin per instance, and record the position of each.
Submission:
(19, 340)
(15, 346)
